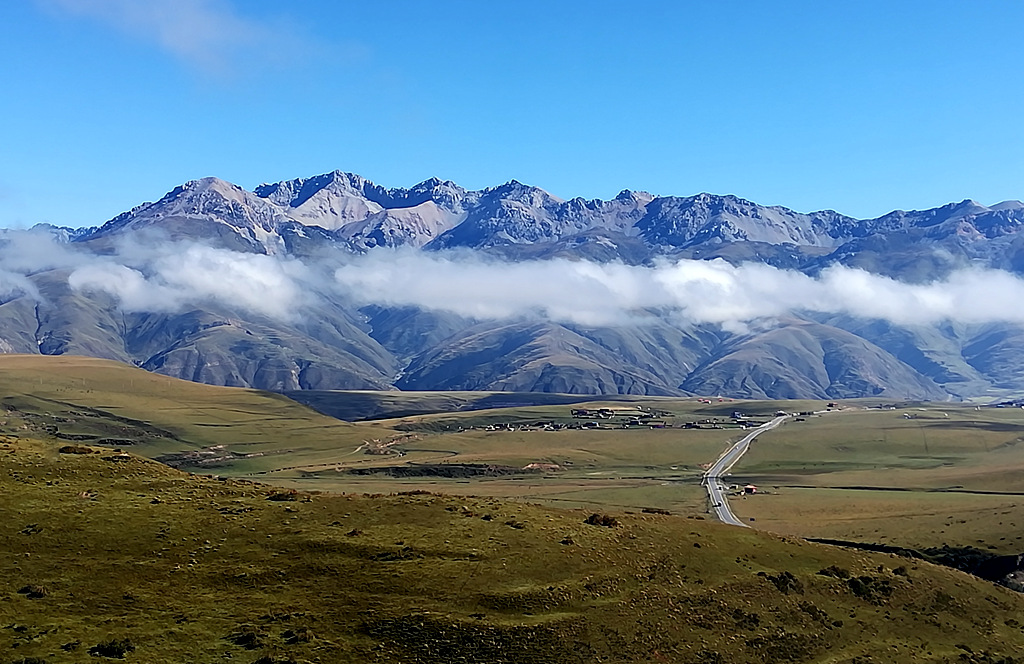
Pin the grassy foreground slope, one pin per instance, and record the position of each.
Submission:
(109, 554)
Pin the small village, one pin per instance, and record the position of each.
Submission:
(634, 418)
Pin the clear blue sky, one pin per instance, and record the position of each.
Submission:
(861, 107)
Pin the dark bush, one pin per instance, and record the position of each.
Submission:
(870, 589)
(602, 520)
(287, 494)
(247, 636)
(113, 648)
(784, 581)
(835, 572)
(75, 449)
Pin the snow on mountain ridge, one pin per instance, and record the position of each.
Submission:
(357, 213)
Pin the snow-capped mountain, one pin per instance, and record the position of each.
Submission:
(336, 343)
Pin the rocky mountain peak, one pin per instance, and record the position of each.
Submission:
(641, 197)
(332, 348)
(966, 208)
(445, 193)
(296, 193)
(516, 191)
(209, 187)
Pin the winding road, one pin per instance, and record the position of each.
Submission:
(713, 477)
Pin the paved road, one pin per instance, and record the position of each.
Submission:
(713, 478)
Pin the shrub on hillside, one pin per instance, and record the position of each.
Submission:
(605, 520)
(113, 649)
(76, 449)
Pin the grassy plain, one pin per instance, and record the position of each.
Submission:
(945, 474)
(912, 519)
(628, 468)
(248, 433)
(948, 474)
(355, 405)
(106, 551)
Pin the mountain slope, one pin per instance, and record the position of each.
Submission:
(528, 357)
(210, 343)
(801, 360)
(209, 210)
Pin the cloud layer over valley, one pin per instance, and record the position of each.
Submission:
(160, 276)
(691, 291)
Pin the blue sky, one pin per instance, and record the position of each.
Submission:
(861, 107)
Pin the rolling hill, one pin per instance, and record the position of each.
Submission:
(123, 558)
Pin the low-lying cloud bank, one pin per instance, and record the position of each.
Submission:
(153, 275)
(688, 290)
(191, 274)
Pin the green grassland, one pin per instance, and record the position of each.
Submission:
(92, 400)
(947, 474)
(247, 433)
(913, 519)
(105, 551)
(941, 446)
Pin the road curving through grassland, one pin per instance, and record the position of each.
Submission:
(712, 479)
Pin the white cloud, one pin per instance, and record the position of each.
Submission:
(209, 34)
(14, 285)
(156, 275)
(153, 274)
(690, 291)
(172, 276)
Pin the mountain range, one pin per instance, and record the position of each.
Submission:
(337, 342)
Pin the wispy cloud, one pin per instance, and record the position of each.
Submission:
(175, 276)
(154, 274)
(688, 291)
(209, 34)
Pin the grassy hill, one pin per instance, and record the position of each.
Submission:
(110, 554)
(92, 400)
